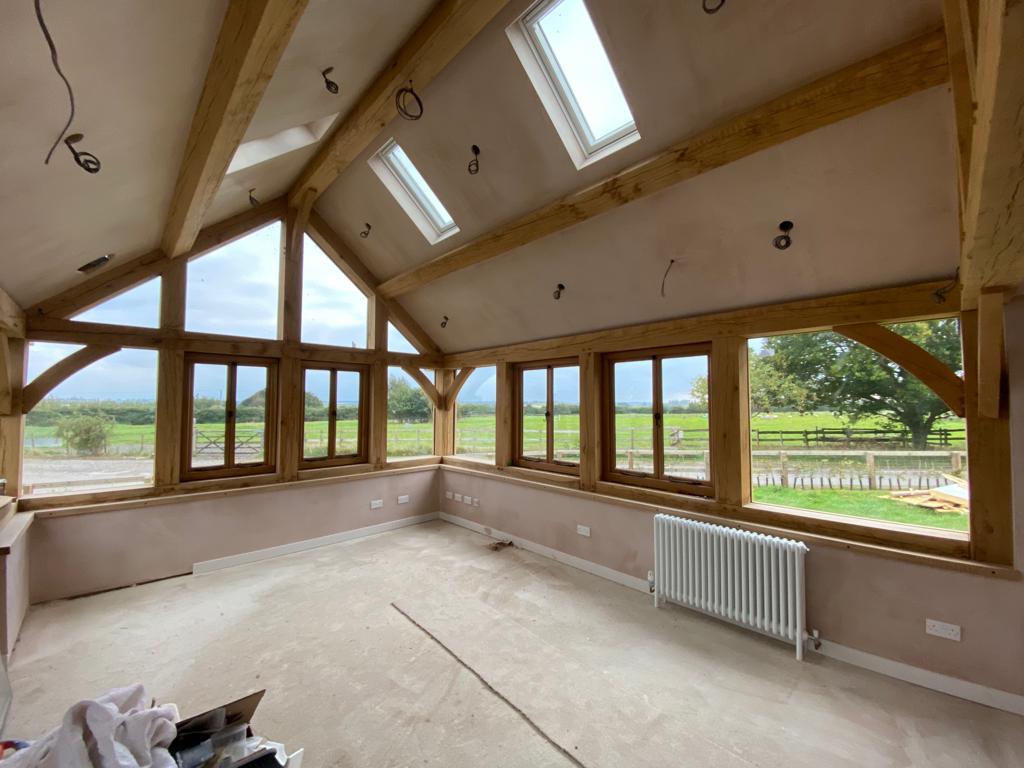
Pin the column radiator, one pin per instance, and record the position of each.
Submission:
(749, 579)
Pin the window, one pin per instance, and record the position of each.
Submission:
(334, 428)
(563, 55)
(837, 428)
(658, 419)
(96, 430)
(475, 415)
(233, 290)
(138, 306)
(410, 417)
(412, 192)
(549, 416)
(397, 341)
(334, 310)
(231, 416)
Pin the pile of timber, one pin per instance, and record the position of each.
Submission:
(951, 498)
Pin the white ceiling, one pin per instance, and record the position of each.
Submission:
(873, 198)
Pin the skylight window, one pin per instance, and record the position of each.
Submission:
(412, 192)
(564, 58)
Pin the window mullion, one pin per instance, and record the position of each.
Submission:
(332, 415)
(657, 419)
(230, 416)
(550, 446)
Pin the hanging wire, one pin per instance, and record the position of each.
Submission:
(403, 104)
(940, 294)
(710, 9)
(252, 198)
(665, 276)
(474, 164)
(366, 232)
(330, 85)
(60, 73)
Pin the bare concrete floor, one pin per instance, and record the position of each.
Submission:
(601, 674)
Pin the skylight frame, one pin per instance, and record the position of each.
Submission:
(403, 179)
(545, 72)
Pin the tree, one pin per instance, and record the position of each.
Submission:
(774, 390)
(407, 403)
(845, 377)
(84, 434)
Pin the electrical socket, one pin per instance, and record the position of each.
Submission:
(468, 500)
(458, 497)
(403, 499)
(942, 629)
(447, 494)
(583, 530)
(476, 502)
(376, 503)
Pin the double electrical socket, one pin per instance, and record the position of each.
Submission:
(465, 499)
(942, 629)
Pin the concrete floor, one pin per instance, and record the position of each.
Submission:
(602, 675)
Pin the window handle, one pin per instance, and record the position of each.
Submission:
(657, 419)
(547, 414)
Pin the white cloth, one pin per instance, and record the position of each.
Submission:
(115, 730)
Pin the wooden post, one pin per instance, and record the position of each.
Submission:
(379, 414)
(730, 420)
(784, 469)
(504, 442)
(444, 425)
(12, 425)
(590, 421)
(988, 458)
(170, 394)
(869, 460)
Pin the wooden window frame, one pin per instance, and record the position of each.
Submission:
(548, 464)
(656, 480)
(361, 456)
(230, 468)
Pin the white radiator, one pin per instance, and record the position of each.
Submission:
(749, 579)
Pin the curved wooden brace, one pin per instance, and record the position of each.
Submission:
(49, 379)
(425, 384)
(934, 373)
(453, 391)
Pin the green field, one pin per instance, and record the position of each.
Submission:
(872, 504)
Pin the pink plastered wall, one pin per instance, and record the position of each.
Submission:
(873, 604)
(87, 553)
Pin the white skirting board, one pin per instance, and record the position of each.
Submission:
(954, 686)
(230, 561)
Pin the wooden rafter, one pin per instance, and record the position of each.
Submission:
(894, 74)
(252, 38)
(993, 220)
(348, 262)
(49, 379)
(7, 383)
(425, 384)
(932, 372)
(962, 73)
(12, 317)
(451, 25)
(125, 276)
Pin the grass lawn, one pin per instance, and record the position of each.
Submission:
(872, 504)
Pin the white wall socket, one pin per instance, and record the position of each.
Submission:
(447, 494)
(476, 502)
(403, 499)
(942, 629)
(468, 500)
(458, 497)
(376, 503)
(583, 530)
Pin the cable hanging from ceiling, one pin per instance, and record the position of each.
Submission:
(665, 276)
(366, 232)
(85, 160)
(408, 104)
(711, 7)
(330, 85)
(474, 164)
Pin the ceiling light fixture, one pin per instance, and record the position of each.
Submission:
(330, 85)
(96, 263)
(783, 241)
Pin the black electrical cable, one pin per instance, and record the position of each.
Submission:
(56, 66)
(402, 103)
(709, 9)
(665, 276)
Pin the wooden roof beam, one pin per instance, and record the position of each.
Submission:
(252, 39)
(901, 71)
(449, 28)
(992, 256)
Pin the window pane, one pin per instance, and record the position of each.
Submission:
(535, 405)
(475, 415)
(334, 311)
(43, 354)
(634, 408)
(139, 306)
(417, 186)
(96, 430)
(837, 428)
(685, 421)
(567, 413)
(410, 417)
(582, 66)
(209, 414)
(314, 428)
(233, 290)
(251, 414)
(346, 432)
(397, 342)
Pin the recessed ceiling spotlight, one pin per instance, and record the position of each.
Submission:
(96, 263)
(783, 241)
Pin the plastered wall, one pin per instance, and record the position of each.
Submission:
(87, 553)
